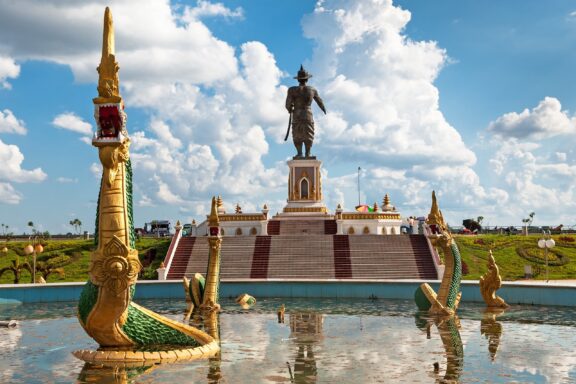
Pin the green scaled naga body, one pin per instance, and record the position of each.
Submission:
(446, 302)
(124, 330)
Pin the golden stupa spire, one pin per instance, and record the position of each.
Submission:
(108, 84)
(213, 220)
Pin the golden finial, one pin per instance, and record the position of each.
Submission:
(193, 222)
(339, 206)
(386, 206)
(219, 201)
(108, 83)
(435, 216)
(213, 218)
(238, 209)
(178, 223)
(265, 206)
(386, 200)
(375, 207)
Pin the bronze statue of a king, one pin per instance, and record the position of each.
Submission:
(299, 105)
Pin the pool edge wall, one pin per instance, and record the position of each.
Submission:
(536, 293)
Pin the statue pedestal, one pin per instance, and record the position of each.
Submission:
(304, 188)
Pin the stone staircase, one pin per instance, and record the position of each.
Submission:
(301, 256)
(302, 227)
(181, 258)
(309, 255)
(391, 257)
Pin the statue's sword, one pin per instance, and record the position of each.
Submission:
(289, 125)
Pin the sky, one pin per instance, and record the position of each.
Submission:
(474, 100)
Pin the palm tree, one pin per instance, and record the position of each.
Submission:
(528, 221)
(16, 268)
(31, 225)
(77, 224)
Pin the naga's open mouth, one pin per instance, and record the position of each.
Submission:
(111, 125)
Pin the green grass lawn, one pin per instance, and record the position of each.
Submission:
(513, 252)
(73, 256)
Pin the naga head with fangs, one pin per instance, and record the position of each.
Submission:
(111, 124)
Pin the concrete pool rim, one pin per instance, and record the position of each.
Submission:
(558, 292)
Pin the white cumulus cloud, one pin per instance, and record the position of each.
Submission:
(10, 124)
(543, 121)
(8, 195)
(71, 122)
(11, 171)
(208, 9)
(8, 69)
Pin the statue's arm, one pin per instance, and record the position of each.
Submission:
(319, 101)
(289, 102)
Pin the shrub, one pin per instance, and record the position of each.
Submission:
(465, 270)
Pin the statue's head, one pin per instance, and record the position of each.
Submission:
(303, 75)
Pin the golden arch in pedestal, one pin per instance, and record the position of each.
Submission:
(303, 190)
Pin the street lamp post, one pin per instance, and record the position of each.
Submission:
(546, 243)
(33, 248)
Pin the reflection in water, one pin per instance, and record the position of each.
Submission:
(448, 329)
(306, 331)
(492, 329)
(255, 348)
(111, 374)
(210, 323)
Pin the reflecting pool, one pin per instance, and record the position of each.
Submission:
(320, 341)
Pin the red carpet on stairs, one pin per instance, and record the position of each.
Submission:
(260, 257)
(342, 263)
(330, 227)
(274, 227)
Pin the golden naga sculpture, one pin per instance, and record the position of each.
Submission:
(446, 302)
(126, 330)
(490, 283)
(203, 293)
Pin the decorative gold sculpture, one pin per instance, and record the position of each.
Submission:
(203, 293)
(245, 300)
(445, 303)
(490, 283)
(108, 84)
(105, 309)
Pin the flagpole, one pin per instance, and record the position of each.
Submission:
(358, 185)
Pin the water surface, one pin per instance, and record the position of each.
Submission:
(321, 341)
